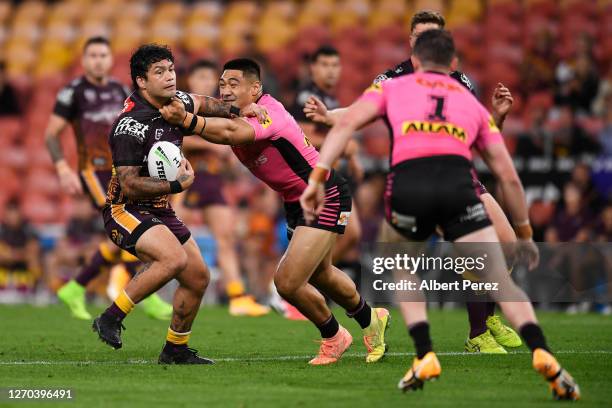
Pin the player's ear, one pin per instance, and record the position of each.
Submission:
(255, 87)
(454, 64)
(140, 82)
(416, 63)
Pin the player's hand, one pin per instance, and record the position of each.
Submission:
(312, 200)
(502, 100)
(173, 112)
(69, 180)
(255, 111)
(185, 174)
(315, 110)
(528, 252)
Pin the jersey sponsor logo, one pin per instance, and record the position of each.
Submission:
(376, 87)
(128, 105)
(474, 213)
(117, 237)
(380, 78)
(132, 127)
(492, 125)
(158, 133)
(183, 97)
(65, 96)
(267, 123)
(437, 84)
(466, 81)
(434, 127)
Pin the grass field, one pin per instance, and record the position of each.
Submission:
(263, 363)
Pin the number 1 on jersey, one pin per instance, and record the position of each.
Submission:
(438, 113)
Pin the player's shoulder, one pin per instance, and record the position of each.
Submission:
(401, 69)
(305, 92)
(463, 80)
(67, 93)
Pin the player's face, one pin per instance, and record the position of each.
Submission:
(203, 81)
(421, 28)
(326, 70)
(160, 81)
(238, 90)
(97, 60)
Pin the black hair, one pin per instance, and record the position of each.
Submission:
(96, 40)
(145, 56)
(246, 65)
(202, 64)
(326, 50)
(435, 47)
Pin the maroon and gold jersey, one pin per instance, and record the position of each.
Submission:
(133, 134)
(91, 109)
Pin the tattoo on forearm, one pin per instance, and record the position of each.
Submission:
(210, 106)
(55, 148)
(136, 186)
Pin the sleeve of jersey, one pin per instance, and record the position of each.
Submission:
(266, 130)
(127, 147)
(64, 103)
(489, 133)
(375, 94)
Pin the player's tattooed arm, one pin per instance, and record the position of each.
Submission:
(137, 187)
(215, 130)
(213, 107)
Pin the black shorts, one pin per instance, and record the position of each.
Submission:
(430, 191)
(95, 184)
(125, 224)
(205, 191)
(336, 211)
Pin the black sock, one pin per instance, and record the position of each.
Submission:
(490, 309)
(173, 347)
(420, 336)
(533, 336)
(362, 313)
(329, 328)
(477, 315)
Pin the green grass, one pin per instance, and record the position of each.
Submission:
(246, 374)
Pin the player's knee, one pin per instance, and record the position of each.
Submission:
(175, 262)
(285, 286)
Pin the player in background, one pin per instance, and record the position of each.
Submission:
(487, 332)
(430, 184)
(205, 195)
(90, 104)
(138, 216)
(325, 70)
(277, 152)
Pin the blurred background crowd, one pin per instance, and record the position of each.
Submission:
(554, 56)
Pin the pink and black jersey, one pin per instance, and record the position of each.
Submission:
(430, 114)
(281, 155)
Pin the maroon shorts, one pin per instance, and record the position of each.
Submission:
(95, 184)
(205, 191)
(125, 224)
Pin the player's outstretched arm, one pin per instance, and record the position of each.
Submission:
(497, 157)
(215, 130)
(358, 114)
(69, 180)
(213, 107)
(134, 186)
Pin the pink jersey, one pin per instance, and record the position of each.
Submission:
(431, 114)
(281, 156)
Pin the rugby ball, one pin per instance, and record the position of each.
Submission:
(164, 160)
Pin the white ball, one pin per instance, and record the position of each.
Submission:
(164, 160)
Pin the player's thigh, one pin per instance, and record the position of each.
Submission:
(353, 228)
(221, 220)
(500, 222)
(196, 274)
(307, 249)
(159, 244)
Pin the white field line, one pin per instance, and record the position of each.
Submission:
(264, 359)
